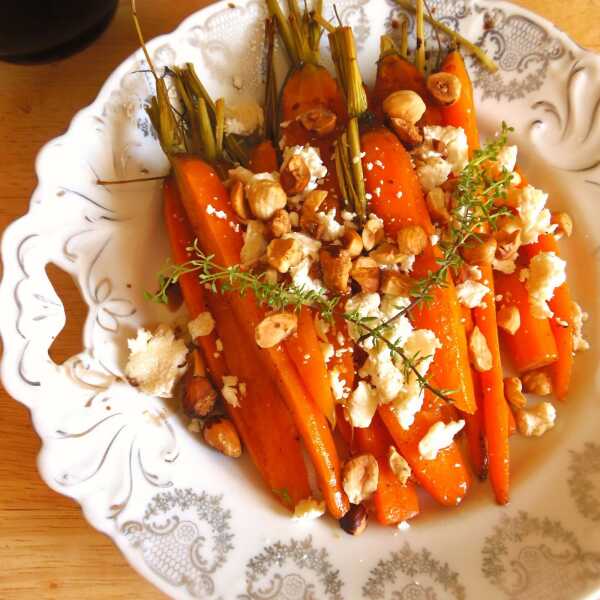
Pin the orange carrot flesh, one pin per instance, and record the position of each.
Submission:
(532, 346)
(200, 188)
(263, 158)
(262, 419)
(561, 305)
(475, 436)
(397, 198)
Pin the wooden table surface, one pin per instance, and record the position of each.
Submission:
(47, 550)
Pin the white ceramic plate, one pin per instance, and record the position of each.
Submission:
(199, 525)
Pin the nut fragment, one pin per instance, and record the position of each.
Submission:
(509, 318)
(265, 197)
(284, 253)
(537, 382)
(396, 284)
(274, 328)
(408, 133)
(318, 120)
(220, 433)
(535, 421)
(280, 223)
(444, 87)
(295, 175)
(513, 391)
(255, 242)
(387, 253)
(437, 203)
(199, 394)
(355, 520)
(238, 200)
(404, 104)
(399, 466)
(366, 273)
(335, 265)
(508, 244)
(480, 251)
(360, 477)
(564, 224)
(372, 233)
(309, 221)
(481, 357)
(411, 239)
(352, 242)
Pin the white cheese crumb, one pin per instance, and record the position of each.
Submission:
(535, 218)
(507, 158)
(546, 273)
(337, 384)
(535, 421)
(331, 229)
(202, 325)
(229, 391)
(220, 214)
(403, 526)
(579, 318)
(400, 468)
(439, 436)
(434, 239)
(244, 119)
(361, 405)
(471, 293)
(327, 350)
(309, 509)
(156, 361)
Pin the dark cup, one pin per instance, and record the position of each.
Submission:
(33, 31)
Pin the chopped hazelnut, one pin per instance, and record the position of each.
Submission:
(404, 104)
(481, 357)
(564, 224)
(318, 120)
(220, 433)
(271, 276)
(411, 239)
(295, 175)
(360, 477)
(335, 266)
(535, 421)
(387, 253)
(444, 87)
(308, 217)
(366, 272)
(509, 319)
(508, 244)
(408, 133)
(284, 253)
(480, 251)
(355, 520)
(513, 391)
(238, 200)
(399, 465)
(280, 223)
(274, 328)
(396, 284)
(437, 203)
(265, 197)
(199, 394)
(537, 382)
(372, 233)
(352, 242)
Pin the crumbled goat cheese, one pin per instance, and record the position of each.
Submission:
(156, 361)
(535, 421)
(255, 242)
(338, 385)
(579, 318)
(546, 273)
(244, 118)
(322, 328)
(400, 468)
(220, 214)
(535, 219)
(302, 279)
(313, 161)
(327, 350)
(331, 229)
(471, 293)
(229, 391)
(361, 405)
(507, 158)
(432, 172)
(347, 215)
(202, 325)
(309, 509)
(403, 526)
(439, 436)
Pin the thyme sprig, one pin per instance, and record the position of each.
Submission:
(476, 206)
(238, 278)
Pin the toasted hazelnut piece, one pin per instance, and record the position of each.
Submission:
(255, 242)
(372, 233)
(265, 197)
(537, 382)
(444, 87)
(274, 328)
(318, 120)
(387, 253)
(295, 175)
(509, 318)
(366, 273)
(360, 477)
(199, 394)
(535, 421)
(513, 391)
(481, 357)
(220, 433)
(280, 223)
(508, 244)
(352, 242)
(238, 200)
(437, 203)
(355, 520)
(396, 284)
(335, 265)
(283, 254)
(271, 276)
(399, 466)
(564, 224)
(308, 216)
(411, 239)
(408, 133)
(480, 251)
(404, 104)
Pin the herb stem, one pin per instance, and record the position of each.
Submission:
(420, 33)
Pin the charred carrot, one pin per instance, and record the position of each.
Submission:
(207, 205)
(262, 419)
(562, 322)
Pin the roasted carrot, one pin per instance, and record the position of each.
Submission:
(200, 189)
(397, 198)
(532, 346)
(475, 435)
(562, 322)
(263, 158)
(262, 419)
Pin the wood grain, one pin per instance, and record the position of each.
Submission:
(47, 550)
